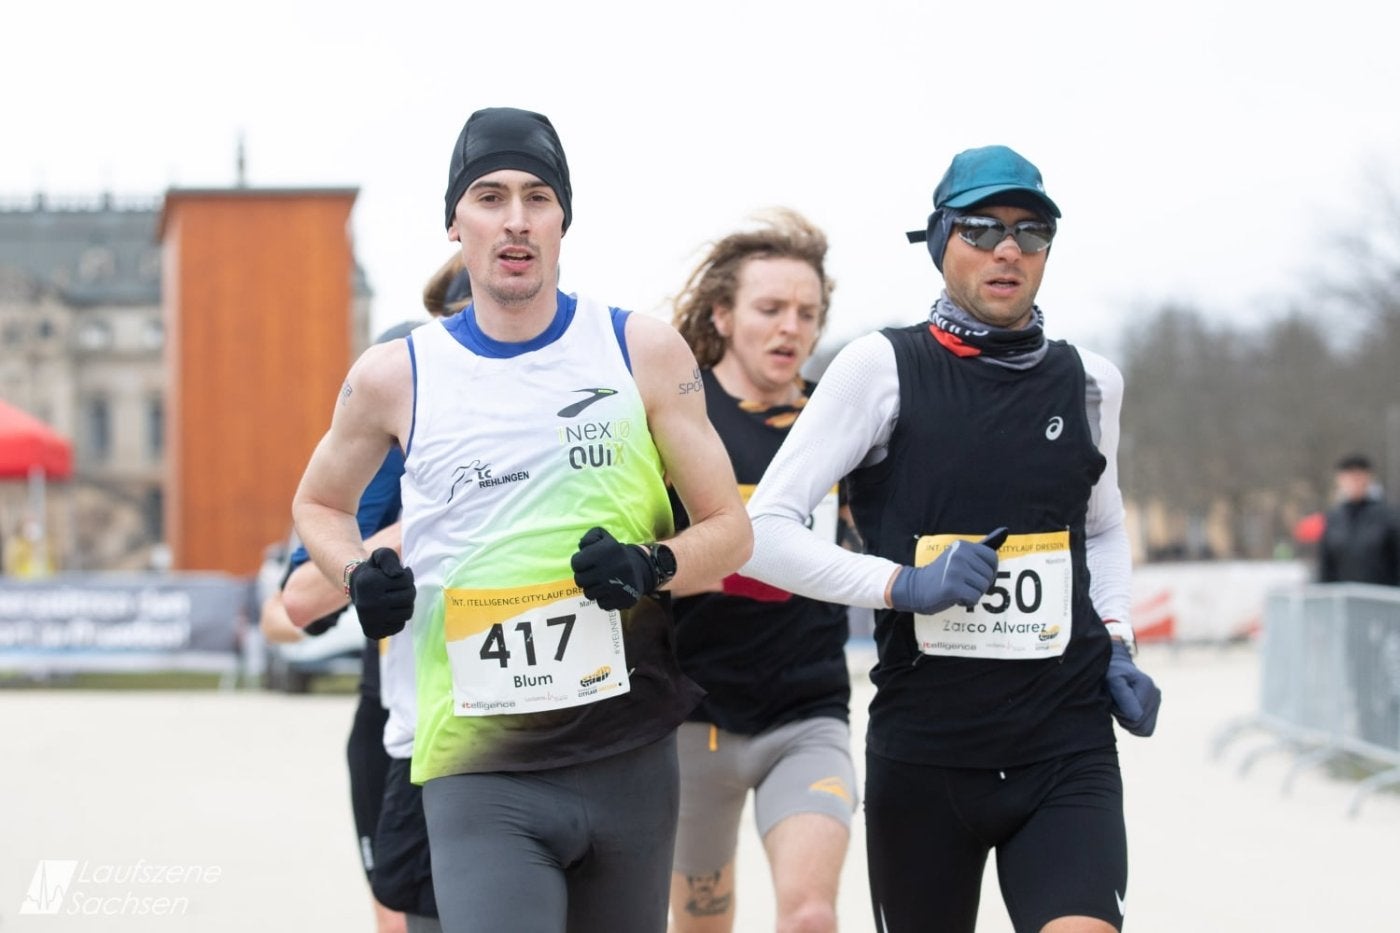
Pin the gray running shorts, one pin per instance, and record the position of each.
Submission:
(581, 848)
(798, 767)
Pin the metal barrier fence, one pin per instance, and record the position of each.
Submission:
(1329, 680)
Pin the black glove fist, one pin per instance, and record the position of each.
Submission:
(324, 624)
(382, 591)
(613, 573)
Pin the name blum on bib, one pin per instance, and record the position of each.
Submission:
(531, 649)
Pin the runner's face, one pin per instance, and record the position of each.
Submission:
(772, 328)
(996, 287)
(510, 225)
(1353, 485)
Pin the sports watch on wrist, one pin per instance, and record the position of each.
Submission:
(663, 563)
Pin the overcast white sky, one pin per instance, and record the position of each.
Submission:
(1200, 150)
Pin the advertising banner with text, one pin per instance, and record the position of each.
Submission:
(122, 622)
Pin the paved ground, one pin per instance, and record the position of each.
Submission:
(240, 801)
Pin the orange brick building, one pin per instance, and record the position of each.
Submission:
(261, 326)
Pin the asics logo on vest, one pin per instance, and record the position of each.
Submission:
(569, 411)
(480, 474)
(1053, 429)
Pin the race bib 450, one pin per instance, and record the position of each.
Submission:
(1024, 616)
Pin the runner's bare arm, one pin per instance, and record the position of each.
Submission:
(372, 412)
(309, 596)
(720, 537)
(276, 627)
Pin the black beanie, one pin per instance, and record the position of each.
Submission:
(940, 227)
(504, 137)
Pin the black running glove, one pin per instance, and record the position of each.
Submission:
(324, 624)
(382, 590)
(613, 573)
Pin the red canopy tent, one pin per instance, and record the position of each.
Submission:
(33, 451)
(27, 446)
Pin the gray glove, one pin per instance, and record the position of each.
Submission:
(959, 577)
(1135, 697)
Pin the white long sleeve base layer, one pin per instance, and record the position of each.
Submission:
(848, 423)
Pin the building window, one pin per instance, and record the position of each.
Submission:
(153, 333)
(97, 262)
(149, 267)
(94, 335)
(155, 515)
(155, 428)
(98, 419)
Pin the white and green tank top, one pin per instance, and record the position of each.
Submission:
(516, 450)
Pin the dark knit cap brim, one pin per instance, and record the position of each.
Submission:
(1355, 462)
(506, 138)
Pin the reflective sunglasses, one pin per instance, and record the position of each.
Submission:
(1032, 236)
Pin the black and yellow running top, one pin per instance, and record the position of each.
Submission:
(770, 661)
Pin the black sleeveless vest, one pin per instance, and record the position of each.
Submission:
(763, 664)
(978, 446)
